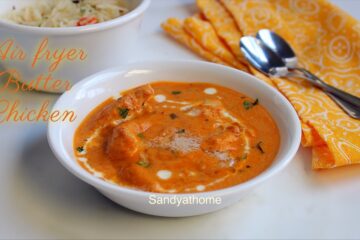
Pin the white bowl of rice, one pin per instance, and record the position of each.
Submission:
(52, 44)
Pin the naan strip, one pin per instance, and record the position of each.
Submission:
(204, 33)
(174, 27)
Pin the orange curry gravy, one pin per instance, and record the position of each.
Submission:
(177, 137)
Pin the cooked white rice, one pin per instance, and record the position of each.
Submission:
(67, 13)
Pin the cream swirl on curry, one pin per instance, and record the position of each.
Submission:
(177, 137)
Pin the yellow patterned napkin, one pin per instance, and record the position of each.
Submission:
(327, 41)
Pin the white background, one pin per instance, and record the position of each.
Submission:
(40, 199)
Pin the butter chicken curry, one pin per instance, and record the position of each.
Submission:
(177, 137)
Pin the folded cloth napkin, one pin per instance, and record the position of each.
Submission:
(327, 42)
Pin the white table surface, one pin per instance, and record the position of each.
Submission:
(39, 199)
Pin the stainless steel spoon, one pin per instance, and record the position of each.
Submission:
(268, 62)
(279, 45)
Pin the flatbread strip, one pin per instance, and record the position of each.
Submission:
(224, 25)
(174, 27)
(203, 32)
(227, 30)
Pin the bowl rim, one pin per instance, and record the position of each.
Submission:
(138, 10)
(102, 184)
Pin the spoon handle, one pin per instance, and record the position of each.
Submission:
(354, 100)
(347, 107)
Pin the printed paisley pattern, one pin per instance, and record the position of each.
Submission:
(327, 41)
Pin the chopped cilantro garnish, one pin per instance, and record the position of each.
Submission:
(140, 135)
(173, 116)
(123, 112)
(247, 104)
(181, 131)
(259, 147)
(242, 157)
(80, 149)
(143, 163)
(176, 92)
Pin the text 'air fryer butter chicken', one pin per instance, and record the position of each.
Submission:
(177, 137)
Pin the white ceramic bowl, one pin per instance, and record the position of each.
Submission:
(107, 44)
(92, 91)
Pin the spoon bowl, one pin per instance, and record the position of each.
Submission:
(262, 57)
(279, 46)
